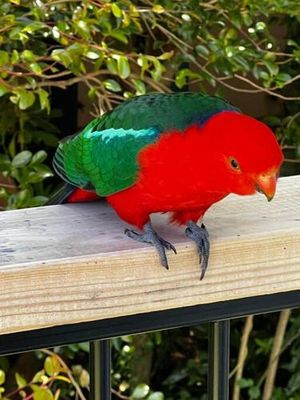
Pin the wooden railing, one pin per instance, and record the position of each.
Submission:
(68, 273)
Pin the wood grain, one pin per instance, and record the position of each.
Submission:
(72, 263)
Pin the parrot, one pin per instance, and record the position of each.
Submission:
(176, 153)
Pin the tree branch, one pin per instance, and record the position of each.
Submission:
(275, 353)
(243, 351)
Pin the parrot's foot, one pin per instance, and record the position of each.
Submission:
(151, 237)
(200, 236)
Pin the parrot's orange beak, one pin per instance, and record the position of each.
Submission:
(266, 184)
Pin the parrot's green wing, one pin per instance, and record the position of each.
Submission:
(104, 161)
(103, 157)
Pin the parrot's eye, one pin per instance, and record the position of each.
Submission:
(234, 164)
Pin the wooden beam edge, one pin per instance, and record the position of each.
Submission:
(132, 282)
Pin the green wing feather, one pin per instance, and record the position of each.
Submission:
(103, 157)
(164, 111)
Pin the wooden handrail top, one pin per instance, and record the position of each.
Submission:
(72, 263)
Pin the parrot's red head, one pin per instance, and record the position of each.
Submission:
(247, 155)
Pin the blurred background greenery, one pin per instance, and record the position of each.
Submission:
(63, 62)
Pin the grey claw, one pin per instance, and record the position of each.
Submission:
(151, 237)
(200, 236)
(167, 245)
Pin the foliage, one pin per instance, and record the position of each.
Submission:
(127, 47)
(28, 171)
(178, 367)
(49, 383)
(21, 173)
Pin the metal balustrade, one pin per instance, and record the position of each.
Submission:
(69, 275)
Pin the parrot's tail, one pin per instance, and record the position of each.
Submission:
(70, 194)
(61, 196)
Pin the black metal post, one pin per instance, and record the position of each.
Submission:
(218, 360)
(100, 360)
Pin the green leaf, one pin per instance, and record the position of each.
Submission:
(272, 67)
(3, 90)
(123, 66)
(14, 99)
(63, 56)
(166, 56)
(40, 175)
(283, 77)
(292, 43)
(260, 26)
(83, 29)
(245, 383)
(21, 382)
(112, 66)
(139, 86)
(242, 61)
(28, 55)
(12, 147)
(296, 54)
(92, 55)
(231, 34)
(26, 99)
(34, 27)
(203, 50)
(38, 201)
(61, 377)
(36, 68)
(42, 393)
(254, 392)
(84, 346)
(143, 62)
(4, 162)
(22, 159)
(119, 35)
(158, 70)
(116, 10)
(76, 369)
(22, 197)
(263, 75)
(4, 58)
(84, 378)
(38, 157)
(156, 396)
(44, 99)
(236, 19)
(158, 9)
(3, 194)
(141, 391)
(15, 57)
(39, 376)
(52, 365)
(92, 93)
(2, 377)
(112, 85)
(247, 18)
(182, 77)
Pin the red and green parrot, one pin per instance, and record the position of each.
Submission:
(178, 153)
